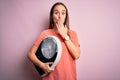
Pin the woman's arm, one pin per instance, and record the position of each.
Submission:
(73, 49)
(32, 57)
(63, 31)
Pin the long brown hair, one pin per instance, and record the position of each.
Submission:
(66, 22)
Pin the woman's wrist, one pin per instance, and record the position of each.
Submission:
(41, 64)
(66, 38)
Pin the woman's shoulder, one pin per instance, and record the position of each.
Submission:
(46, 31)
(72, 31)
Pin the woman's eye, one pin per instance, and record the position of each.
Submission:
(56, 12)
(63, 13)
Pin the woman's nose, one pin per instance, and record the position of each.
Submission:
(59, 16)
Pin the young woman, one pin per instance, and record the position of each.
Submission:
(59, 27)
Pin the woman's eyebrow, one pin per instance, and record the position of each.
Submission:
(55, 10)
(58, 10)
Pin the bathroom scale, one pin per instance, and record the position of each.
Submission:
(49, 50)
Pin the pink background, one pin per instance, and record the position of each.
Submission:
(97, 23)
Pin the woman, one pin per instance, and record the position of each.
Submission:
(59, 27)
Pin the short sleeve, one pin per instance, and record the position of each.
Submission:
(74, 37)
(39, 39)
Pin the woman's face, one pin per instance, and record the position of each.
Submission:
(59, 14)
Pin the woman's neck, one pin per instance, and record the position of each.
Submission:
(55, 29)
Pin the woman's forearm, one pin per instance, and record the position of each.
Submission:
(74, 50)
